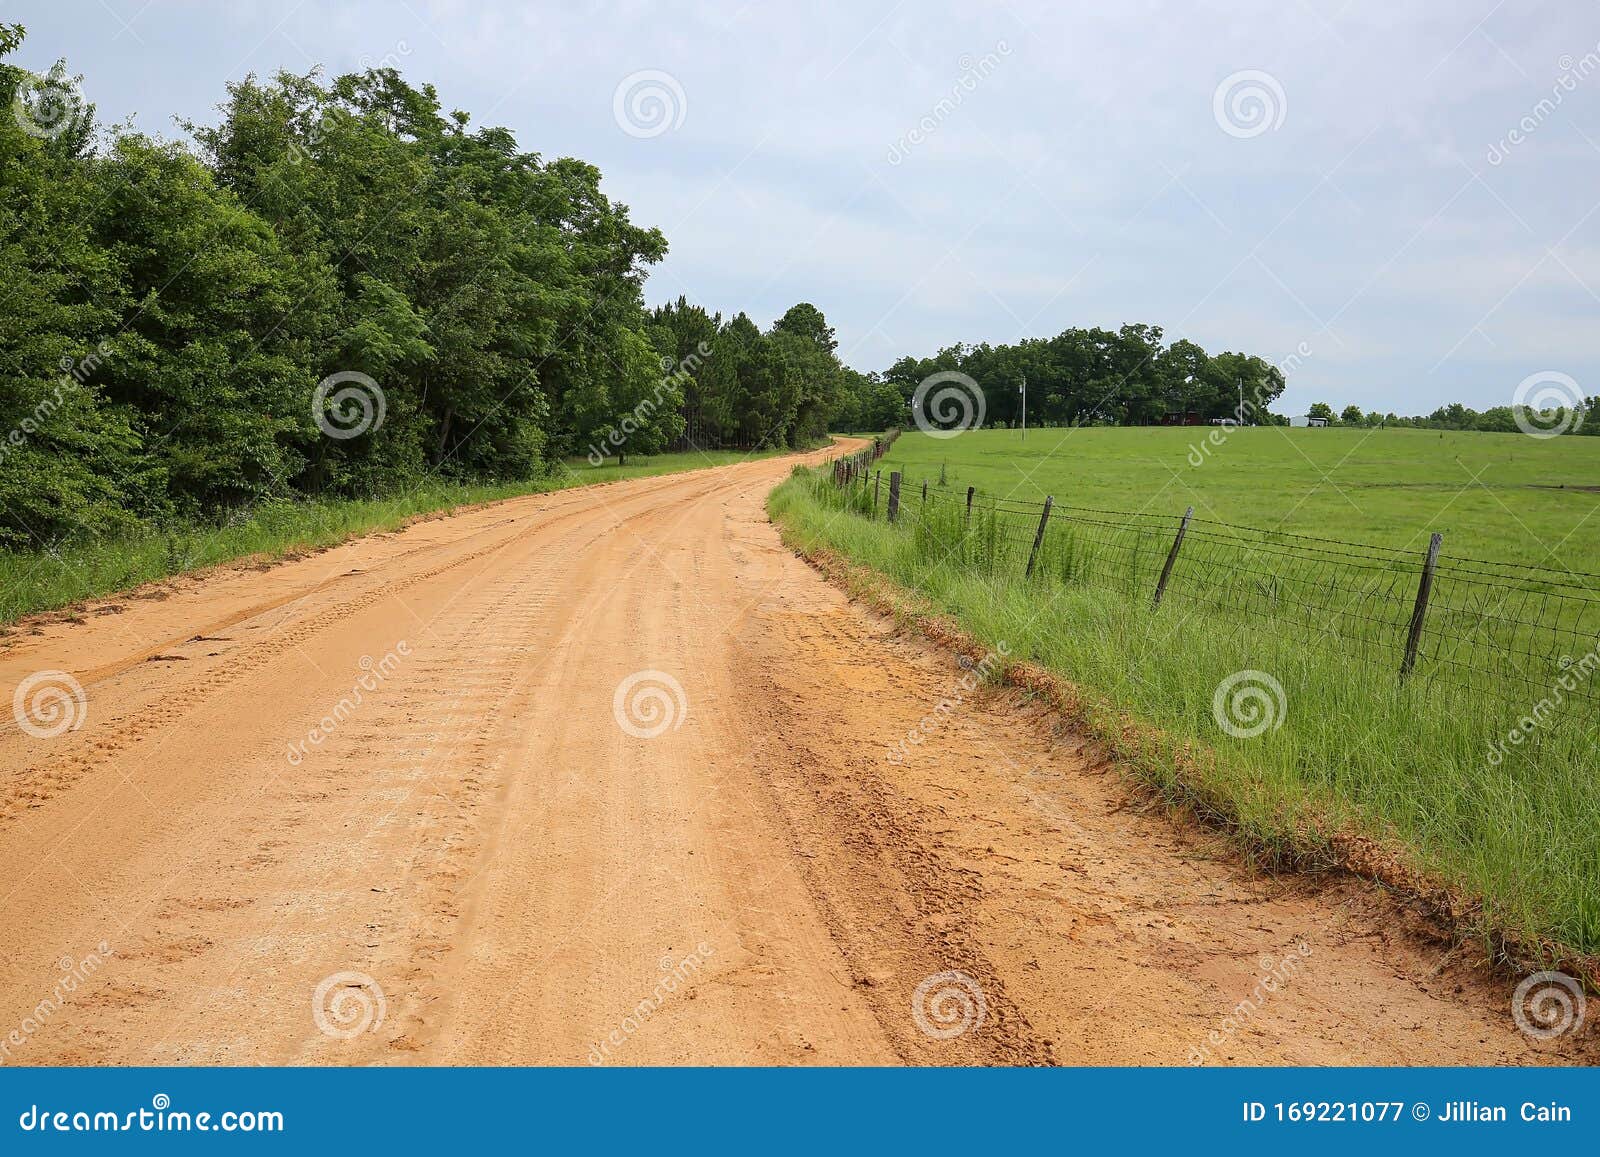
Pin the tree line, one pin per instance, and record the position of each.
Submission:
(1127, 376)
(1455, 416)
(339, 288)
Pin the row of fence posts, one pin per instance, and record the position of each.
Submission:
(847, 470)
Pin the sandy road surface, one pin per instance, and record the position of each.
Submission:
(468, 830)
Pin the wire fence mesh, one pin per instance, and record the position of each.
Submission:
(1506, 628)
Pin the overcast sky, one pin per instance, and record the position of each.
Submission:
(1332, 182)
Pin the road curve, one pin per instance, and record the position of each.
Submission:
(602, 776)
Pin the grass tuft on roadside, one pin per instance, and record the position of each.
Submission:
(1349, 756)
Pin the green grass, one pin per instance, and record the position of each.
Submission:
(1494, 496)
(1354, 749)
(90, 567)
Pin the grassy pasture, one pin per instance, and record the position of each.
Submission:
(1494, 496)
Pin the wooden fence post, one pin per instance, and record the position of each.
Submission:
(1420, 611)
(1172, 556)
(970, 489)
(894, 495)
(924, 492)
(877, 488)
(1038, 535)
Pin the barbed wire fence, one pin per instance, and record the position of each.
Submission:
(1510, 629)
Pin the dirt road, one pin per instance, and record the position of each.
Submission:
(603, 776)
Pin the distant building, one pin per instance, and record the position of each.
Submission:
(1307, 420)
(1182, 418)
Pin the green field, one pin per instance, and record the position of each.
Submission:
(1424, 765)
(1494, 496)
(90, 566)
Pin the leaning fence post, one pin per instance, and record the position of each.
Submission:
(1038, 535)
(1420, 611)
(894, 494)
(1172, 556)
(970, 489)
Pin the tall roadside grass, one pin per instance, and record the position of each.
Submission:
(91, 566)
(1347, 750)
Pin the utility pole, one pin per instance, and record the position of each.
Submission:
(1240, 383)
(1024, 407)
